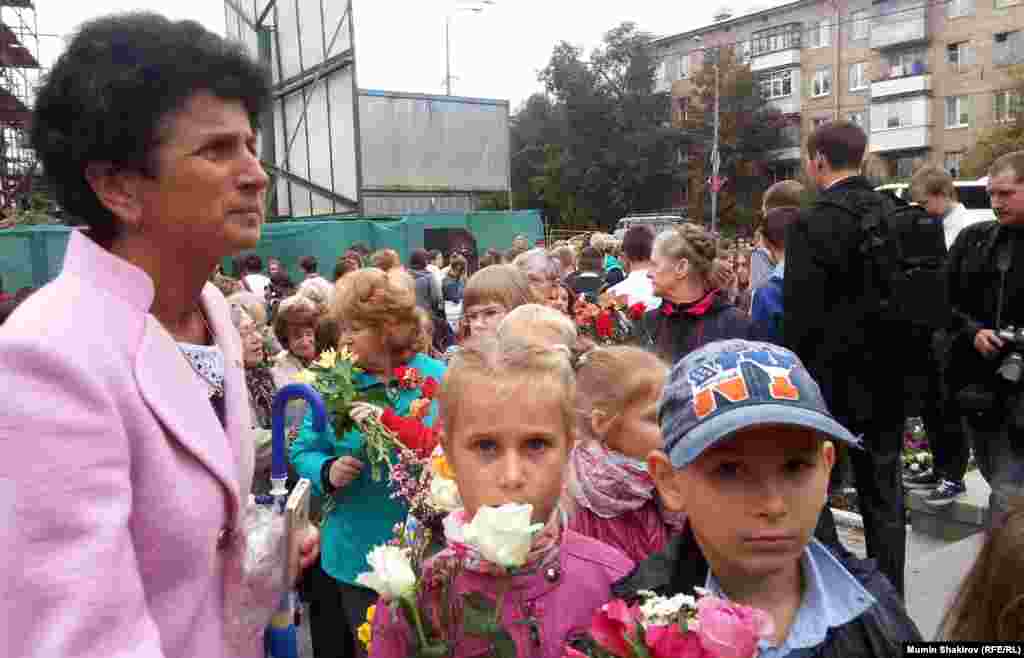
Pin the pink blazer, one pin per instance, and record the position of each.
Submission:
(119, 488)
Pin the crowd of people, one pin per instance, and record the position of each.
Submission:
(697, 454)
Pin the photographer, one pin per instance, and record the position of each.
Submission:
(986, 290)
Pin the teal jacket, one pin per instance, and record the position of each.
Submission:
(365, 514)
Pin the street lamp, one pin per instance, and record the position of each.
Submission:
(715, 159)
(478, 6)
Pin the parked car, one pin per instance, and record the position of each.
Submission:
(973, 194)
(657, 222)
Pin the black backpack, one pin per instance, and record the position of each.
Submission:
(905, 253)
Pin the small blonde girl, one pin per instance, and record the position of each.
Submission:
(508, 430)
(611, 496)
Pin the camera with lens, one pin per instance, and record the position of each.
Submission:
(1011, 369)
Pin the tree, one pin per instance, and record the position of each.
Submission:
(1002, 138)
(600, 144)
(748, 129)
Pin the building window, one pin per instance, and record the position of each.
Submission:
(822, 85)
(858, 76)
(958, 8)
(1008, 48)
(861, 24)
(684, 107)
(683, 66)
(958, 111)
(905, 167)
(856, 118)
(903, 64)
(952, 163)
(784, 37)
(960, 55)
(1007, 106)
(892, 116)
(777, 85)
(820, 34)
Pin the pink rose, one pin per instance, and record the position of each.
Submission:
(611, 624)
(727, 630)
(671, 642)
(572, 653)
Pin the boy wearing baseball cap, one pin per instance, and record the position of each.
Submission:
(748, 448)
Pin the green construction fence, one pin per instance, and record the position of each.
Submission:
(31, 256)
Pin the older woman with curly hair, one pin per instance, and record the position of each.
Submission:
(377, 321)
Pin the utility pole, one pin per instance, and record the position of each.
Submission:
(715, 157)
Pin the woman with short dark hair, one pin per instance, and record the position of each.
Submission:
(126, 433)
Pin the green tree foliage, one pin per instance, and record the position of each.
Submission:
(1001, 138)
(599, 144)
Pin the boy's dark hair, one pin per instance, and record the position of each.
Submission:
(308, 264)
(637, 243)
(590, 260)
(785, 193)
(930, 181)
(418, 259)
(775, 223)
(106, 99)
(457, 266)
(252, 264)
(841, 142)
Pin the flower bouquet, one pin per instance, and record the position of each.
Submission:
(917, 457)
(609, 322)
(333, 375)
(678, 627)
(428, 487)
(422, 590)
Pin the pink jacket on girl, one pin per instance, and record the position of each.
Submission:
(121, 492)
(562, 599)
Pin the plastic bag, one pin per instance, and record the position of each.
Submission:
(255, 584)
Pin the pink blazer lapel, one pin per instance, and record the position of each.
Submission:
(167, 383)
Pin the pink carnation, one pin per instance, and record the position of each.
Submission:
(611, 624)
(728, 630)
(671, 642)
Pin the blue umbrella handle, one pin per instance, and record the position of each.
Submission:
(279, 464)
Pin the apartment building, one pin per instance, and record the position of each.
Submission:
(923, 77)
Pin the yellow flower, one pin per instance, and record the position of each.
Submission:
(442, 468)
(346, 355)
(365, 635)
(305, 377)
(327, 359)
(370, 612)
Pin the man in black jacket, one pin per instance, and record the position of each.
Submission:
(834, 322)
(986, 290)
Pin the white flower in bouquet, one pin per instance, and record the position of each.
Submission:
(503, 534)
(444, 494)
(662, 611)
(392, 576)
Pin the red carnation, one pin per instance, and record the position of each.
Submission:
(636, 311)
(604, 325)
(429, 388)
(401, 372)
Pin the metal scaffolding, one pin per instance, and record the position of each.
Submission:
(19, 79)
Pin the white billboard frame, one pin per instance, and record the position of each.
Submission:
(310, 140)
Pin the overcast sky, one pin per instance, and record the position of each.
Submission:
(400, 43)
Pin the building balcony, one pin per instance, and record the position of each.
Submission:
(787, 105)
(903, 86)
(900, 139)
(788, 154)
(899, 28)
(775, 60)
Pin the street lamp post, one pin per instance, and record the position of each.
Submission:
(715, 157)
(479, 7)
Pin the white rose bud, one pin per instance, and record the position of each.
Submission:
(503, 534)
(392, 576)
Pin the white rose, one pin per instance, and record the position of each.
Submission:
(392, 576)
(503, 534)
(444, 494)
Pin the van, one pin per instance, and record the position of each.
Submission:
(655, 221)
(973, 194)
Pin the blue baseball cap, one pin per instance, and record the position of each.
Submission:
(731, 385)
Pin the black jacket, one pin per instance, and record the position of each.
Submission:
(973, 283)
(831, 318)
(878, 633)
(676, 335)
